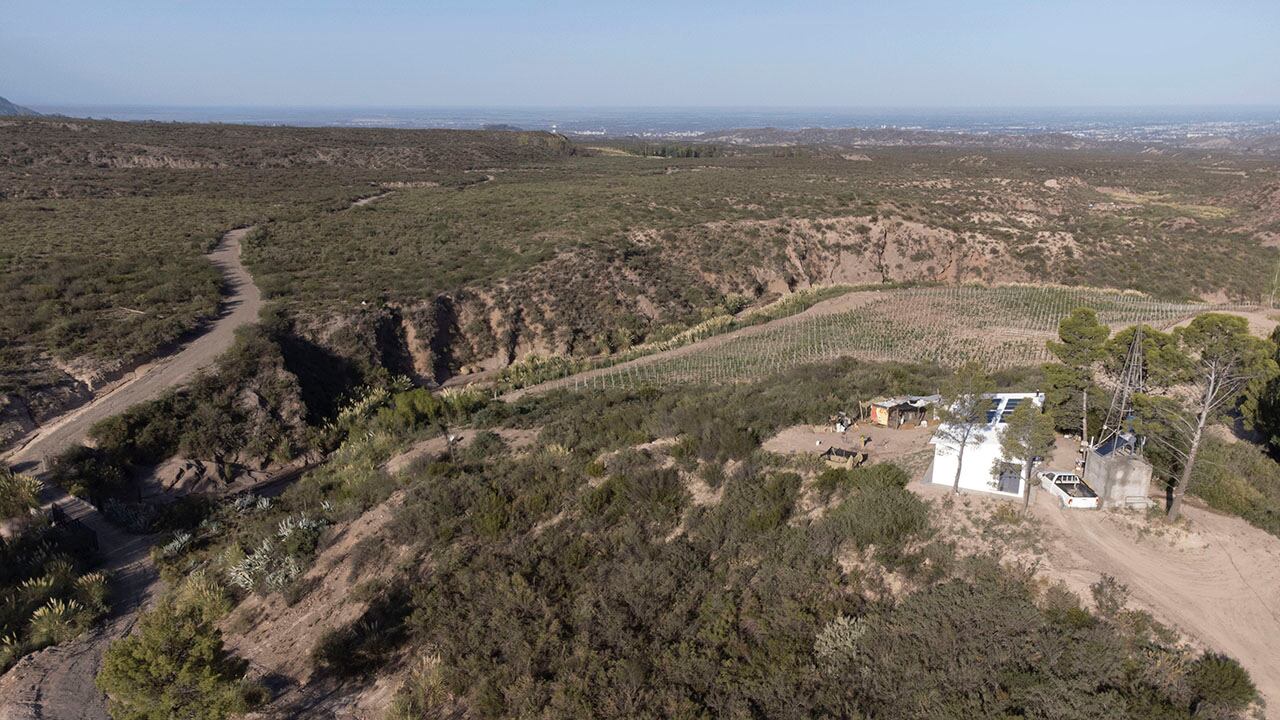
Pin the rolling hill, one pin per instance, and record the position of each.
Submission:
(8, 108)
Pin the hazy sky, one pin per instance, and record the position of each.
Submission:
(641, 53)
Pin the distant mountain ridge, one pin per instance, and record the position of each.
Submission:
(8, 108)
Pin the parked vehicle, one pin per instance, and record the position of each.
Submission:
(1070, 490)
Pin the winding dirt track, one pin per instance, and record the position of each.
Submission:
(240, 307)
(58, 683)
(1219, 583)
(1217, 580)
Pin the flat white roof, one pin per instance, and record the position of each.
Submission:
(1001, 406)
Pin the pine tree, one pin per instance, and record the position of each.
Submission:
(1082, 340)
(174, 666)
(1027, 436)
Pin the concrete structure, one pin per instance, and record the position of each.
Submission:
(1118, 474)
(985, 468)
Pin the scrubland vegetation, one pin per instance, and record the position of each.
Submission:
(105, 225)
(596, 254)
(48, 595)
(585, 576)
(643, 557)
(494, 246)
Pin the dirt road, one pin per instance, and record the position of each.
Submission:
(58, 683)
(240, 306)
(1218, 581)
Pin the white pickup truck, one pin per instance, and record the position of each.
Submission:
(1070, 490)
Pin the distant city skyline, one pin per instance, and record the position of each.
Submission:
(712, 54)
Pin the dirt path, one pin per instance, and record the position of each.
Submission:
(371, 199)
(240, 307)
(1218, 581)
(843, 303)
(58, 682)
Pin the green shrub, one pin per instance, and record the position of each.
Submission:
(1218, 681)
(1240, 479)
(831, 479)
(57, 621)
(174, 665)
(19, 494)
(422, 695)
(878, 511)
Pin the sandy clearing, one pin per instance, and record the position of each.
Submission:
(908, 447)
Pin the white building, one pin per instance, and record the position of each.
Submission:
(982, 458)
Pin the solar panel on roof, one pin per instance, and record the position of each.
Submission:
(1009, 406)
(994, 411)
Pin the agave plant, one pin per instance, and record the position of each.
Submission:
(291, 525)
(248, 572)
(176, 546)
(283, 574)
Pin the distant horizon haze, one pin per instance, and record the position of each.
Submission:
(674, 122)
(571, 54)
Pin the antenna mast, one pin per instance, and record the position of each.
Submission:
(1131, 383)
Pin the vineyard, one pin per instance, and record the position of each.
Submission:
(1001, 327)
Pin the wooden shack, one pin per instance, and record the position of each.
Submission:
(903, 411)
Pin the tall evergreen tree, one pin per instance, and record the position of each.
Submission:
(1215, 360)
(1027, 435)
(1081, 343)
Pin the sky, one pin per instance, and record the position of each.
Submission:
(703, 53)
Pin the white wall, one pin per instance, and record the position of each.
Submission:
(976, 473)
(979, 457)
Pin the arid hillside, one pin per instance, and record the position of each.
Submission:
(436, 254)
(104, 228)
(598, 253)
